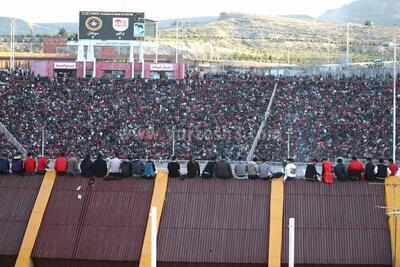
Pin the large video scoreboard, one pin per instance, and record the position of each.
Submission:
(111, 25)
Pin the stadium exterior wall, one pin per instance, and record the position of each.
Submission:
(47, 69)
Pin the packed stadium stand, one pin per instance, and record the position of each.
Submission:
(328, 116)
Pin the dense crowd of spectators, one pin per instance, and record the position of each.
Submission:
(330, 117)
(205, 117)
(220, 115)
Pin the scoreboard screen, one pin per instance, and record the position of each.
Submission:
(111, 25)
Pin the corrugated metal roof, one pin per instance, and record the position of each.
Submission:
(337, 224)
(106, 225)
(17, 197)
(214, 221)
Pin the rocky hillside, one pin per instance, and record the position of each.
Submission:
(281, 39)
(380, 12)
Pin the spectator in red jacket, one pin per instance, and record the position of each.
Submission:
(61, 164)
(393, 168)
(42, 165)
(30, 164)
(327, 171)
(355, 169)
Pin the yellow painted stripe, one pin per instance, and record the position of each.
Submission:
(32, 229)
(159, 192)
(393, 201)
(275, 223)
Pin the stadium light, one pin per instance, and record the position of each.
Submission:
(288, 143)
(347, 44)
(177, 42)
(394, 44)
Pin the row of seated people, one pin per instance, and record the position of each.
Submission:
(354, 171)
(115, 168)
(20, 166)
(73, 166)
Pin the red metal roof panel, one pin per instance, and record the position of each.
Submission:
(215, 221)
(103, 222)
(337, 224)
(17, 197)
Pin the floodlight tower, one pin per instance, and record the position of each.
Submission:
(12, 44)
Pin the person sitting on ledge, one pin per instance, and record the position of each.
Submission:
(61, 164)
(381, 170)
(149, 170)
(311, 171)
(290, 170)
(209, 169)
(223, 169)
(240, 169)
(17, 165)
(193, 168)
(87, 167)
(174, 168)
(4, 164)
(99, 166)
(30, 164)
(43, 164)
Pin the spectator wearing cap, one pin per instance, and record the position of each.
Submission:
(73, 165)
(290, 170)
(43, 164)
(61, 164)
(252, 169)
(240, 169)
(30, 164)
(311, 171)
(174, 168)
(193, 168)
(17, 165)
(100, 166)
(370, 170)
(381, 170)
(355, 169)
(4, 164)
(87, 167)
(393, 168)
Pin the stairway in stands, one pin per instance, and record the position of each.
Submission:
(12, 139)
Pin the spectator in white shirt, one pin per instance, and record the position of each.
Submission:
(114, 167)
(290, 170)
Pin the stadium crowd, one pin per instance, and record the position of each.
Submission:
(136, 117)
(220, 115)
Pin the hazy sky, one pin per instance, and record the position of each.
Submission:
(67, 10)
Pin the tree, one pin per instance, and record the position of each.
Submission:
(62, 32)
